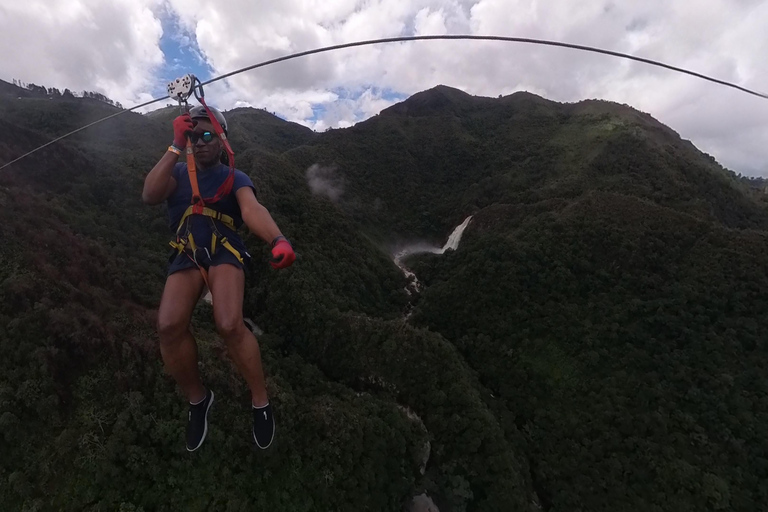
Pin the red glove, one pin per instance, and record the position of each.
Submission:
(181, 126)
(282, 253)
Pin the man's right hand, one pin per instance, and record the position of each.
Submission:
(181, 126)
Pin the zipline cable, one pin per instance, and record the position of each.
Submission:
(57, 139)
(404, 39)
(487, 38)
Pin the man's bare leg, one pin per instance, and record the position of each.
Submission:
(177, 345)
(227, 288)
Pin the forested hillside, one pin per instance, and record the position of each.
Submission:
(597, 341)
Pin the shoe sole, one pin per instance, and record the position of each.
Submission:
(205, 428)
(253, 434)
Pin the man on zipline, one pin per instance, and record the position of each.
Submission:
(207, 202)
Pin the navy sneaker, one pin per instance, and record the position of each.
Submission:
(197, 423)
(263, 426)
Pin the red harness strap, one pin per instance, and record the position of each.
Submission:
(220, 132)
(225, 188)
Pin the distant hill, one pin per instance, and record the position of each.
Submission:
(596, 342)
(452, 154)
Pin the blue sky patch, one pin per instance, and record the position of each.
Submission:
(182, 54)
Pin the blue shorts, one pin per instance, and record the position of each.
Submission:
(203, 231)
(183, 261)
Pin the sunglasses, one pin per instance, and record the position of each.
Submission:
(205, 137)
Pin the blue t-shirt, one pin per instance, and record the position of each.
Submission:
(208, 182)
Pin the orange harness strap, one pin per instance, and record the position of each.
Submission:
(197, 199)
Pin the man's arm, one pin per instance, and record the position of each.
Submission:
(256, 216)
(160, 183)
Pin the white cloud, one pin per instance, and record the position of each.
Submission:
(429, 22)
(108, 47)
(344, 112)
(114, 45)
(718, 37)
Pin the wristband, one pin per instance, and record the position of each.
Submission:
(278, 238)
(174, 149)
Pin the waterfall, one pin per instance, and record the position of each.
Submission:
(452, 244)
(455, 238)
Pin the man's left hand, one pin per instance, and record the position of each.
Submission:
(282, 253)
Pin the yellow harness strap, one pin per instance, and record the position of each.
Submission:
(180, 244)
(208, 212)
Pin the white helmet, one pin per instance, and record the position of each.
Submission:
(198, 112)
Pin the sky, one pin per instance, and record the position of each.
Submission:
(129, 50)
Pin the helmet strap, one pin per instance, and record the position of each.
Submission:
(219, 131)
